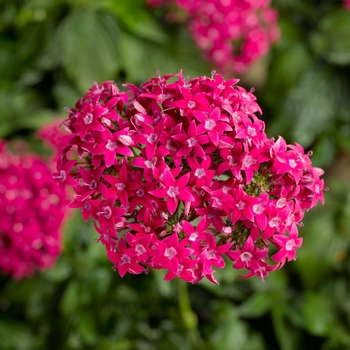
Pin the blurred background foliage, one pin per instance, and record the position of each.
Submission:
(51, 51)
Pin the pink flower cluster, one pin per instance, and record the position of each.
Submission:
(32, 212)
(231, 33)
(177, 173)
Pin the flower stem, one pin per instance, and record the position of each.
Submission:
(189, 317)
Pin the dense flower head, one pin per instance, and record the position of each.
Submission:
(32, 213)
(177, 173)
(232, 34)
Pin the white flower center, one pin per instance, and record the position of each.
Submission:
(211, 254)
(88, 119)
(93, 185)
(251, 131)
(191, 104)
(125, 260)
(240, 205)
(140, 192)
(292, 163)
(170, 252)
(111, 145)
(274, 222)
(199, 173)
(152, 138)
(63, 175)
(86, 206)
(173, 191)
(140, 249)
(231, 161)
(246, 256)
(248, 161)
(210, 124)
(106, 212)
(120, 186)
(193, 236)
(290, 245)
(191, 142)
(258, 208)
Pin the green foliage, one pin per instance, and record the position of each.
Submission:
(51, 52)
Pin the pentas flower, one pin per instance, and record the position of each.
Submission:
(183, 174)
(232, 34)
(31, 216)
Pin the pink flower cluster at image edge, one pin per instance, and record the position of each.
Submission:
(232, 34)
(178, 174)
(347, 4)
(32, 212)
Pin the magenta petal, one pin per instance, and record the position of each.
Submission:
(159, 192)
(222, 249)
(125, 151)
(248, 245)
(109, 158)
(171, 204)
(219, 262)
(233, 254)
(186, 196)
(207, 267)
(123, 269)
(168, 179)
(183, 180)
(279, 256)
(291, 255)
(174, 265)
(180, 104)
(214, 137)
(239, 264)
(169, 276)
(136, 269)
(215, 113)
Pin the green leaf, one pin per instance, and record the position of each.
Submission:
(321, 246)
(87, 326)
(256, 306)
(311, 106)
(66, 96)
(284, 334)
(287, 66)
(335, 29)
(15, 336)
(70, 299)
(58, 273)
(231, 332)
(141, 60)
(324, 152)
(89, 44)
(319, 314)
(136, 19)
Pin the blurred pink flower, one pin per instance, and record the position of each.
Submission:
(232, 34)
(31, 216)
